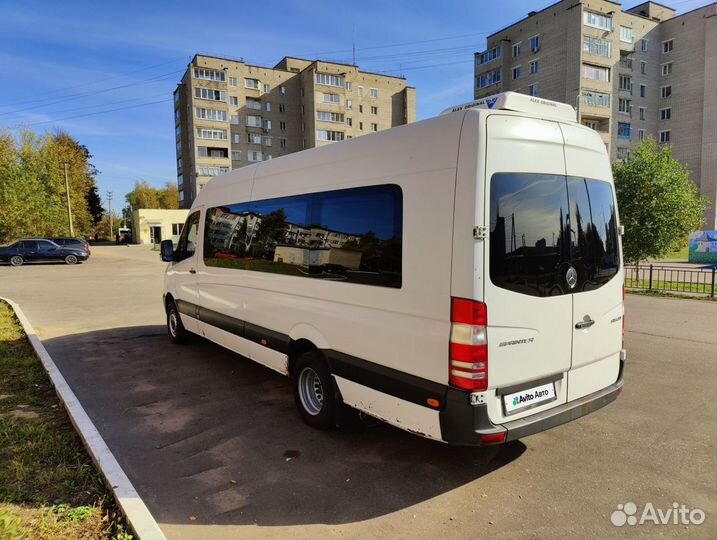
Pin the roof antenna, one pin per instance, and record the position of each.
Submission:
(353, 43)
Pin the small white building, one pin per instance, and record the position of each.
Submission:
(151, 225)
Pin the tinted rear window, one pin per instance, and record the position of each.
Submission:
(540, 225)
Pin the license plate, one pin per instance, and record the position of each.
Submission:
(526, 399)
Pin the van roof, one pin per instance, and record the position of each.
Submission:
(514, 101)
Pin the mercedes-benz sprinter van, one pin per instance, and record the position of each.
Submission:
(460, 277)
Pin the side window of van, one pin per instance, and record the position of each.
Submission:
(350, 235)
(188, 240)
(541, 224)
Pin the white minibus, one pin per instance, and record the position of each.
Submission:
(460, 277)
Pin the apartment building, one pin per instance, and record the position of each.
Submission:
(229, 113)
(644, 71)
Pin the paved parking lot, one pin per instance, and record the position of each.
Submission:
(212, 443)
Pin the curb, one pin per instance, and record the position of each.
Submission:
(132, 506)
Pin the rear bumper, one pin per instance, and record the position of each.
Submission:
(459, 414)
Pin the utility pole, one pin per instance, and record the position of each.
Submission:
(69, 207)
(109, 204)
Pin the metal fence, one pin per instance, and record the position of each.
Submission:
(655, 277)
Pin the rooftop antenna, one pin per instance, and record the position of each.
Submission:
(353, 44)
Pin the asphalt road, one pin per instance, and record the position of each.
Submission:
(212, 443)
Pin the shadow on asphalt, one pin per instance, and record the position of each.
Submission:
(206, 433)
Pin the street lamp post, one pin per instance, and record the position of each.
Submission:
(69, 207)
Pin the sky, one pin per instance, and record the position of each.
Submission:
(104, 72)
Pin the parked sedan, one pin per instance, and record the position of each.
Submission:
(40, 250)
(77, 243)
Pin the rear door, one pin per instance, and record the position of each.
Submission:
(595, 255)
(530, 308)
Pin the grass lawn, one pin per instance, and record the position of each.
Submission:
(49, 488)
(681, 253)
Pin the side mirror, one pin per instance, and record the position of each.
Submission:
(166, 250)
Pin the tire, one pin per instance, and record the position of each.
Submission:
(16, 260)
(314, 392)
(71, 259)
(175, 328)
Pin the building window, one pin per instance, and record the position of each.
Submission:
(254, 104)
(349, 104)
(268, 141)
(534, 66)
(282, 125)
(533, 90)
(267, 106)
(210, 94)
(267, 88)
(664, 136)
(596, 20)
(488, 79)
(331, 98)
(625, 83)
(643, 91)
(596, 73)
(253, 155)
(329, 80)
(325, 135)
(360, 108)
(535, 44)
(232, 81)
(596, 46)
(596, 99)
(626, 61)
(666, 69)
(251, 83)
(622, 152)
(349, 122)
(626, 34)
(211, 114)
(667, 46)
(282, 142)
(235, 138)
(209, 75)
(282, 90)
(212, 152)
(374, 127)
(592, 124)
(516, 49)
(624, 130)
(177, 229)
(213, 171)
(282, 108)
(666, 113)
(643, 45)
(236, 155)
(643, 67)
(267, 125)
(666, 91)
(641, 134)
(374, 110)
(215, 134)
(374, 93)
(360, 91)
(361, 126)
(349, 86)
(623, 105)
(487, 56)
(235, 119)
(516, 72)
(642, 113)
(326, 116)
(234, 100)
(253, 121)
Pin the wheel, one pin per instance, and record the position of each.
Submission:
(177, 332)
(314, 392)
(71, 259)
(16, 260)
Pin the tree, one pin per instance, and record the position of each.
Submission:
(169, 196)
(94, 205)
(145, 196)
(659, 204)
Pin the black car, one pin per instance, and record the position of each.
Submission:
(77, 243)
(40, 250)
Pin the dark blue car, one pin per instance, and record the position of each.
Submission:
(33, 249)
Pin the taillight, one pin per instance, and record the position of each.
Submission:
(468, 350)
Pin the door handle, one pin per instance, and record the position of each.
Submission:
(587, 322)
(192, 271)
